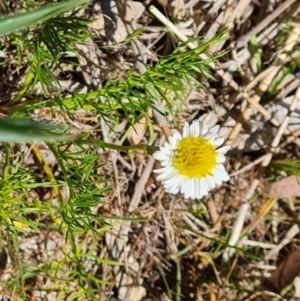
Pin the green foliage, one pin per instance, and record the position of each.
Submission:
(255, 49)
(168, 80)
(290, 166)
(55, 37)
(83, 185)
(290, 68)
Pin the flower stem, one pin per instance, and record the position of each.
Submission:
(149, 149)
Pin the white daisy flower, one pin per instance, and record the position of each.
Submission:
(192, 162)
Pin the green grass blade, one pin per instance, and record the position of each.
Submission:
(17, 130)
(10, 24)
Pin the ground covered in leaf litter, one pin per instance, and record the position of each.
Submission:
(181, 251)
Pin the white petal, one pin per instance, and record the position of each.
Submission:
(174, 190)
(166, 163)
(166, 145)
(194, 129)
(204, 190)
(217, 142)
(223, 149)
(204, 130)
(184, 189)
(197, 189)
(173, 143)
(200, 127)
(192, 189)
(167, 188)
(159, 155)
(166, 173)
(186, 130)
(210, 182)
(160, 170)
(220, 173)
(168, 152)
(215, 129)
(212, 136)
(167, 177)
(175, 185)
(165, 148)
(221, 159)
(176, 134)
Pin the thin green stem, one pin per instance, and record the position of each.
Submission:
(178, 280)
(164, 279)
(23, 89)
(149, 149)
(6, 164)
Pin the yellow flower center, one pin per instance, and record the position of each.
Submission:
(195, 157)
